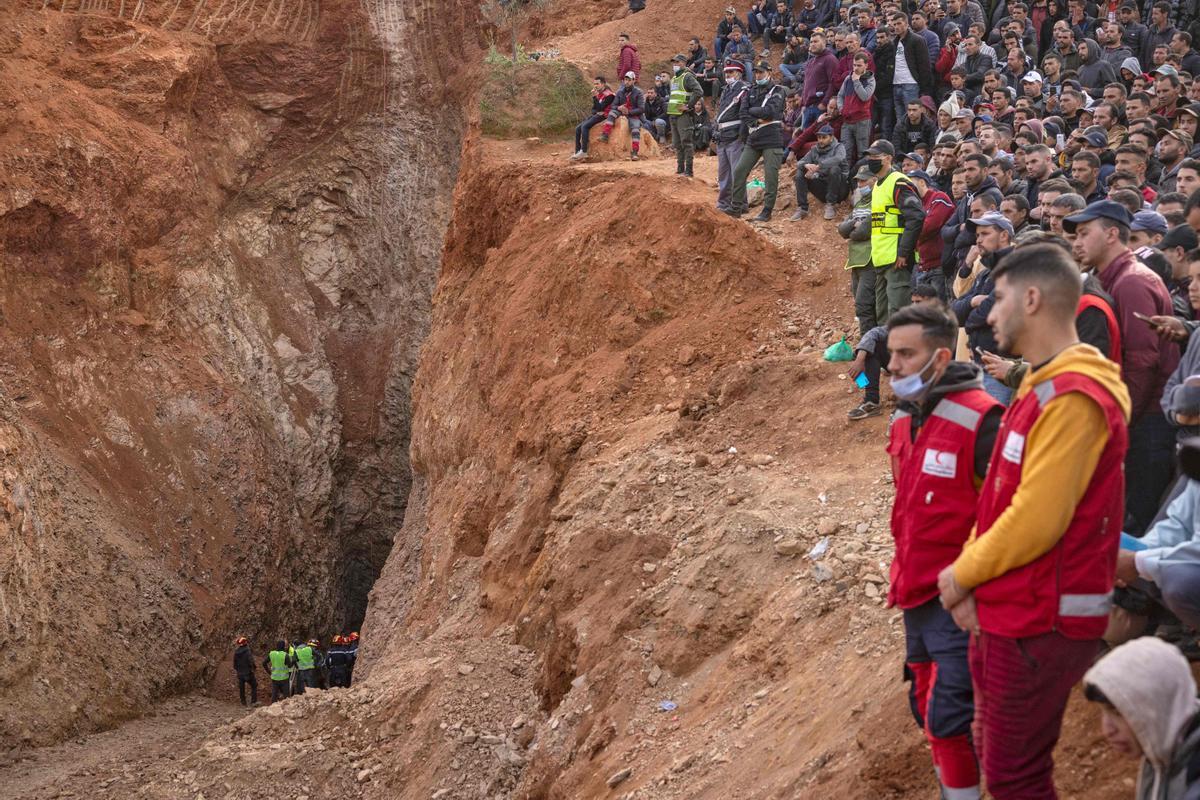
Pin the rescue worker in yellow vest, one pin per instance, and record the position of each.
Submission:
(896, 220)
(306, 667)
(685, 91)
(279, 664)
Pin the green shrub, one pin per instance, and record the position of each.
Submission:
(532, 98)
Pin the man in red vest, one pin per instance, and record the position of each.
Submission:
(1034, 583)
(940, 441)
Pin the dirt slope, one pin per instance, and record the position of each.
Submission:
(219, 234)
(624, 442)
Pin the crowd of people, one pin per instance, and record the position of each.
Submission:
(1019, 185)
(293, 668)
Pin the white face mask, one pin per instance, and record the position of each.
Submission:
(914, 387)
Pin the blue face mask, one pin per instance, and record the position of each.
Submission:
(913, 387)
(762, 81)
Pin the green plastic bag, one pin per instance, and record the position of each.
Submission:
(839, 351)
(755, 184)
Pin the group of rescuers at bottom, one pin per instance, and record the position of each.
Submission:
(296, 667)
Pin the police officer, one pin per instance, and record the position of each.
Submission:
(940, 441)
(727, 130)
(896, 219)
(279, 664)
(243, 665)
(685, 91)
(761, 111)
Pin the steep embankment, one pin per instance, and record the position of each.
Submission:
(219, 231)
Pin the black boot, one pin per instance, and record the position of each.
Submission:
(687, 166)
(763, 216)
(734, 212)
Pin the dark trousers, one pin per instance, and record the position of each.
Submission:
(1021, 691)
(583, 129)
(892, 291)
(339, 676)
(683, 126)
(243, 681)
(279, 690)
(308, 678)
(1148, 469)
(885, 115)
(771, 157)
(862, 286)
(828, 187)
(941, 695)
(872, 365)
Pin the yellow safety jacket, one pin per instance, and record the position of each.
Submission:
(279, 667)
(677, 103)
(886, 225)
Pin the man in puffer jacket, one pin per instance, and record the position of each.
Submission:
(1149, 711)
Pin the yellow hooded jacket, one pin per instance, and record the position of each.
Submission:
(1061, 453)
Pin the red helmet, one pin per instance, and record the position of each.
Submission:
(354, 636)
(241, 640)
(337, 638)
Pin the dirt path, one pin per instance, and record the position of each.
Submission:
(116, 762)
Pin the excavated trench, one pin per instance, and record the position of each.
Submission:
(220, 228)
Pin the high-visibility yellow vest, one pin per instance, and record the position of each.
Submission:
(886, 226)
(304, 657)
(677, 103)
(279, 669)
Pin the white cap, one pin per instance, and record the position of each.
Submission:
(631, 74)
(1033, 76)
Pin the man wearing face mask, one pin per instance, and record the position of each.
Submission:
(727, 130)
(1033, 582)
(761, 111)
(940, 441)
(897, 217)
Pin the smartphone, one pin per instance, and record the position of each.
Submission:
(861, 380)
(1144, 319)
(979, 353)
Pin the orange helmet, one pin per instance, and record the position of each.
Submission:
(337, 638)
(354, 636)
(241, 640)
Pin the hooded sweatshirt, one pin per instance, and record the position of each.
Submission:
(1150, 685)
(1095, 73)
(1061, 453)
(1134, 66)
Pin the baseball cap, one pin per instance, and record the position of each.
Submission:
(1180, 236)
(994, 219)
(920, 174)
(881, 147)
(1193, 110)
(864, 174)
(1101, 209)
(825, 130)
(1096, 138)
(1033, 76)
(964, 113)
(1166, 69)
(631, 74)
(762, 66)
(1147, 220)
(1182, 136)
(917, 157)
(679, 57)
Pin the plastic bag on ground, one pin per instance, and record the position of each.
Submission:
(841, 351)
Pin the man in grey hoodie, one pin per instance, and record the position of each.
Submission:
(823, 170)
(1094, 73)
(1148, 696)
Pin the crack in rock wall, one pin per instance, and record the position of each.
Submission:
(220, 226)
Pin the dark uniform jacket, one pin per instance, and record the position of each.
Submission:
(761, 111)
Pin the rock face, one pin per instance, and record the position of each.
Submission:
(220, 226)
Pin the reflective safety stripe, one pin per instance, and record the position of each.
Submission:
(1045, 392)
(967, 793)
(1084, 605)
(731, 124)
(678, 100)
(957, 413)
(765, 124)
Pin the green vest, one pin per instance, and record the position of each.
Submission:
(304, 657)
(677, 103)
(279, 669)
(885, 220)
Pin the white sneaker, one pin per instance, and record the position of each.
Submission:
(829, 211)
